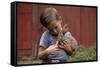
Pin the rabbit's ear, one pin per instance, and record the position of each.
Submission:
(65, 28)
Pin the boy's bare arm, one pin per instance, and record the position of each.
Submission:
(76, 47)
(42, 53)
(51, 50)
(67, 47)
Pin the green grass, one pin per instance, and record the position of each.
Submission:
(84, 54)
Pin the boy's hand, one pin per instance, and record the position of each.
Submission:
(52, 49)
(67, 47)
(65, 44)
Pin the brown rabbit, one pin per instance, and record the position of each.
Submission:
(61, 35)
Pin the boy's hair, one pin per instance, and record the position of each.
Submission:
(49, 15)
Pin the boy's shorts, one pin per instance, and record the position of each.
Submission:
(55, 61)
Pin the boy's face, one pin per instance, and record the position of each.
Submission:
(55, 27)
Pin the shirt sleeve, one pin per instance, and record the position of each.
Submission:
(69, 36)
(44, 40)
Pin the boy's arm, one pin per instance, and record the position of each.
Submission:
(70, 47)
(74, 45)
(42, 53)
(42, 46)
(67, 47)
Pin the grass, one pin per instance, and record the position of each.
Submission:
(84, 54)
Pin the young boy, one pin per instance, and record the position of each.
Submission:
(49, 49)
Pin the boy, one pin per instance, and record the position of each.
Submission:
(49, 49)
